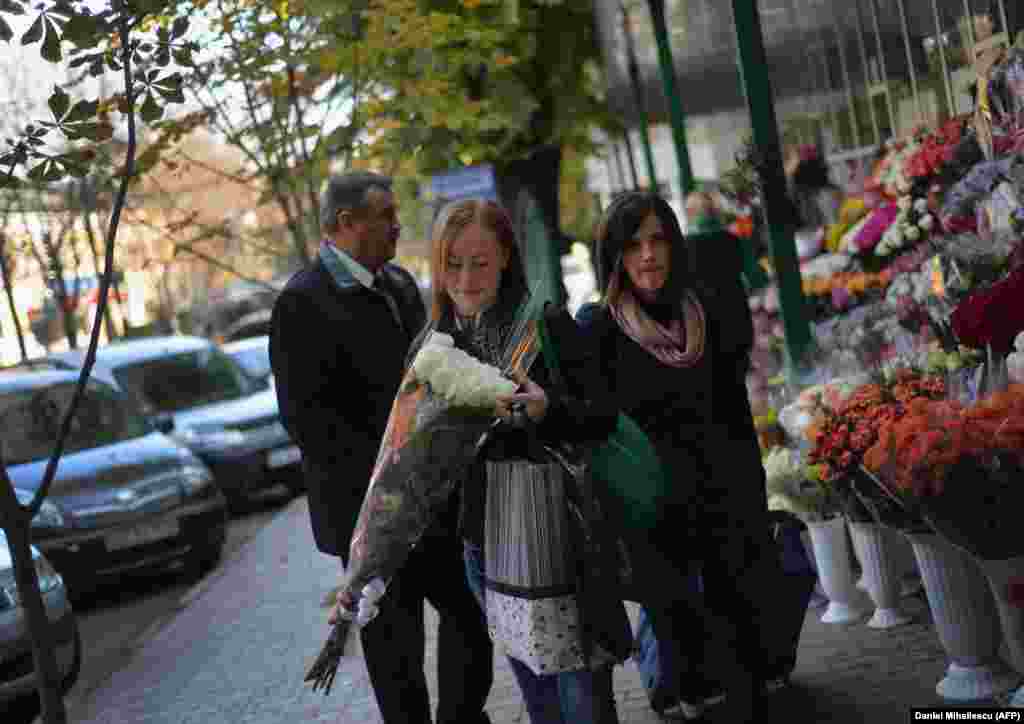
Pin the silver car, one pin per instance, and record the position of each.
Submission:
(17, 671)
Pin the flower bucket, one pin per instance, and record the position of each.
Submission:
(906, 565)
(1006, 579)
(835, 571)
(965, 619)
(875, 546)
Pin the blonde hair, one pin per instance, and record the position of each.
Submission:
(451, 222)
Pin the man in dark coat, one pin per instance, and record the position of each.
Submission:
(339, 336)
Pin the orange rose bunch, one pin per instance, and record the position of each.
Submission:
(853, 282)
(844, 436)
(917, 451)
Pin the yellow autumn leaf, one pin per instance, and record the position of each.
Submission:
(471, 4)
(503, 60)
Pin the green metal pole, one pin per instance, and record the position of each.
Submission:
(675, 106)
(761, 103)
(638, 96)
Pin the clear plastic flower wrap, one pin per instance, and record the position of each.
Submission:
(444, 406)
(790, 489)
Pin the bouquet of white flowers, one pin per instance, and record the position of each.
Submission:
(444, 406)
(790, 489)
(457, 376)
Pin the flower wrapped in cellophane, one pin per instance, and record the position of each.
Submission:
(443, 408)
(793, 488)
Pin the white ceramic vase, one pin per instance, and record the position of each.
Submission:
(832, 556)
(965, 619)
(875, 546)
(1006, 579)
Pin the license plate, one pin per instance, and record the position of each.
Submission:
(143, 533)
(284, 456)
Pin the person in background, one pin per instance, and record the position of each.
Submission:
(675, 342)
(816, 198)
(340, 332)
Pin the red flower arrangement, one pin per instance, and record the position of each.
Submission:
(844, 435)
(992, 316)
(936, 149)
(959, 468)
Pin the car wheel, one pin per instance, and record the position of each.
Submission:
(76, 664)
(296, 483)
(204, 559)
(237, 502)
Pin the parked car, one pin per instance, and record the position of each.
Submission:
(17, 670)
(253, 354)
(125, 497)
(191, 389)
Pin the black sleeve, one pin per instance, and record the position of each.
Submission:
(728, 312)
(325, 429)
(584, 408)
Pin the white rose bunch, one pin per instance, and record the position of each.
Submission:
(1015, 360)
(787, 485)
(457, 376)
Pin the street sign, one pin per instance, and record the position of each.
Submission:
(463, 183)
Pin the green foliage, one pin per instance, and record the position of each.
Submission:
(63, 145)
(461, 83)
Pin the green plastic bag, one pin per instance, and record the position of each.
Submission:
(626, 462)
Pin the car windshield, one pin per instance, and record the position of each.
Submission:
(255, 360)
(186, 380)
(30, 420)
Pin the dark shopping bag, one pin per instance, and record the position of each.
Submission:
(787, 608)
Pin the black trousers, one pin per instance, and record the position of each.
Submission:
(393, 644)
(718, 636)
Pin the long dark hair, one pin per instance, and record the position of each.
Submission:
(618, 226)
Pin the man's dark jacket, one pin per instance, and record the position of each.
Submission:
(338, 355)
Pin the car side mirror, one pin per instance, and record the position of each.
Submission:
(164, 423)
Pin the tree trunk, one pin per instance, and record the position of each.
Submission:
(16, 524)
(538, 175)
(9, 290)
(108, 317)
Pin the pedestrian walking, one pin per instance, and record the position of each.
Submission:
(675, 343)
(340, 333)
(479, 292)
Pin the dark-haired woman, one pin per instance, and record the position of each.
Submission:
(675, 349)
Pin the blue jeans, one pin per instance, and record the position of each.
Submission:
(572, 697)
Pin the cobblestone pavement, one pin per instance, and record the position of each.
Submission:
(237, 653)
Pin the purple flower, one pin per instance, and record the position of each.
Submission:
(841, 297)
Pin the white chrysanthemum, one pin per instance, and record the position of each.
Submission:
(921, 206)
(457, 376)
(1015, 367)
(926, 222)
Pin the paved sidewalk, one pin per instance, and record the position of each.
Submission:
(238, 652)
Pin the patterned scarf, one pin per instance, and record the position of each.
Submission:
(679, 344)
